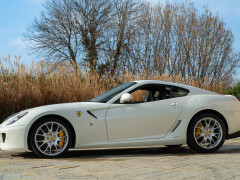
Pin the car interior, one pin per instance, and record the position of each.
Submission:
(150, 93)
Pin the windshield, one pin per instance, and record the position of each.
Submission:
(105, 97)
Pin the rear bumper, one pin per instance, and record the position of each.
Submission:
(13, 138)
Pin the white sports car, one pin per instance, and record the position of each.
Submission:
(139, 113)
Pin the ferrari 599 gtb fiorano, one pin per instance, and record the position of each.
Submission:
(139, 113)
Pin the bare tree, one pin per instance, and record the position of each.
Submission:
(116, 36)
(201, 46)
(178, 40)
(91, 21)
(123, 26)
(54, 34)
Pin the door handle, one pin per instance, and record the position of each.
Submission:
(173, 104)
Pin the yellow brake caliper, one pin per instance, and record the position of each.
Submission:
(61, 134)
(198, 130)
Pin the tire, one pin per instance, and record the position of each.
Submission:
(50, 138)
(206, 133)
(173, 146)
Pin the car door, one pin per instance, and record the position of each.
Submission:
(142, 120)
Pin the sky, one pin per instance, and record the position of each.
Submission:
(17, 15)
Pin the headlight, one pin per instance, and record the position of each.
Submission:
(14, 118)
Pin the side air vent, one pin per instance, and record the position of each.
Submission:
(176, 124)
(3, 137)
(89, 112)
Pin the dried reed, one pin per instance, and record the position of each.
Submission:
(24, 87)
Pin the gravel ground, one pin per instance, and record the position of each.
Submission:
(138, 163)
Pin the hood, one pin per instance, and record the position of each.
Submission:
(65, 106)
(65, 110)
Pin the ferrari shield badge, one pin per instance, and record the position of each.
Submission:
(79, 113)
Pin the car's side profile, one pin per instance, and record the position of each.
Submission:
(139, 113)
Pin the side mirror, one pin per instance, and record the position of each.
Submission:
(126, 97)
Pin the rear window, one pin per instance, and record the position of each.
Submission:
(179, 92)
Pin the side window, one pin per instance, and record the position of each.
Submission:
(151, 93)
(138, 96)
(167, 92)
(155, 92)
(179, 92)
(161, 93)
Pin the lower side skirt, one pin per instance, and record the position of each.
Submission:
(233, 135)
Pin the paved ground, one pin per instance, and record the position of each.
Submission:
(151, 163)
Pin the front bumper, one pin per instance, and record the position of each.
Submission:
(13, 138)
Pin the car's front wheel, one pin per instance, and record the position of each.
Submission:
(206, 133)
(50, 138)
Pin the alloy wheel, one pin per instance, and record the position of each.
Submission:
(208, 133)
(51, 138)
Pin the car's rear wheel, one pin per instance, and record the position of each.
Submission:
(206, 133)
(50, 138)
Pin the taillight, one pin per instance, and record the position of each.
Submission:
(239, 99)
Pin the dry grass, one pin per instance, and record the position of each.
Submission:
(24, 87)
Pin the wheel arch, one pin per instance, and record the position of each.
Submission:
(52, 116)
(211, 111)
